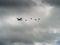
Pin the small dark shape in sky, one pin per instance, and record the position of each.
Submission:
(35, 19)
(25, 19)
(19, 19)
(38, 18)
(31, 18)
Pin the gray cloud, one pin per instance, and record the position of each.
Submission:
(27, 3)
(52, 2)
(12, 31)
(16, 3)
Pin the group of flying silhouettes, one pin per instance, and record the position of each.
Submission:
(20, 19)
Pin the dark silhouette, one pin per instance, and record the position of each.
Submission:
(25, 19)
(19, 19)
(38, 18)
(35, 19)
(31, 18)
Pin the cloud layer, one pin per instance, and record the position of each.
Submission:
(46, 31)
(28, 3)
(53, 2)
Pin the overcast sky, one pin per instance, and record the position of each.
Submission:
(30, 32)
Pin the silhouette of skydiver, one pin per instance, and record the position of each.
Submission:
(19, 19)
(25, 19)
(31, 18)
(35, 19)
(38, 18)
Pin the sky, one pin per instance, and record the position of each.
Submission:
(30, 32)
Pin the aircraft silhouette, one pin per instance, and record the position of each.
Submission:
(19, 19)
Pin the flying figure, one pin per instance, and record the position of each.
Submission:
(19, 19)
(35, 19)
(31, 18)
(38, 18)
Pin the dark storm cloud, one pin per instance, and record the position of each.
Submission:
(26, 2)
(16, 2)
(52, 2)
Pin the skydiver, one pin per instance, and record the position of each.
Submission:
(35, 19)
(19, 19)
(31, 18)
(38, 18)
(25, 19)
